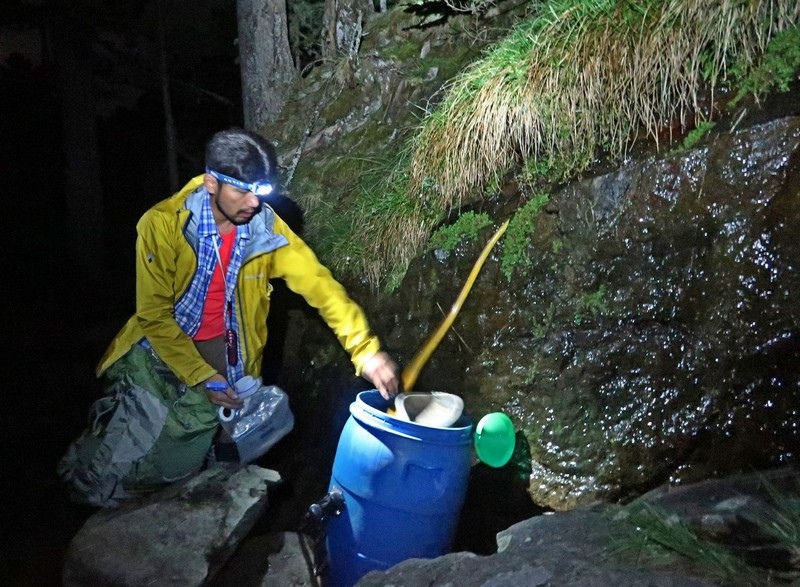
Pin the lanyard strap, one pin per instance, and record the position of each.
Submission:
(231, 337)
(228, 288)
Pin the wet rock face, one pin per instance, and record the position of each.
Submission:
(656, 337)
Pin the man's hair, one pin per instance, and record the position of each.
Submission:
(242, 154)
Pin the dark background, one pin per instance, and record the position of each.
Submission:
(117, 45)
(56, 326)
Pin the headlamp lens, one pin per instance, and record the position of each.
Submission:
(261, 189)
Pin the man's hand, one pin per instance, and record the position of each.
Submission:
(381, 370)
(220, 393)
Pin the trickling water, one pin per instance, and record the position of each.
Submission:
(654, 339)
(657, 341)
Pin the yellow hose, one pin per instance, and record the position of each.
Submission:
(411, 372)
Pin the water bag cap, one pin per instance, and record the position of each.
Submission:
(247, 385)
(495, 439)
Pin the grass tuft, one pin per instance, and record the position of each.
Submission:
(652, 536)
(658, 537)
(579, 79)
(584, 77)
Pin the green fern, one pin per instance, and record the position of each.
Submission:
(467, 226)
(517, 237)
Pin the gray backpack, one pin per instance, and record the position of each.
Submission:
(123, 427)
(147, 430)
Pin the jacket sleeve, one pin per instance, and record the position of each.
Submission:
(297, 264)
(156, 268)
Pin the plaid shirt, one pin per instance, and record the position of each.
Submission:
(189, 308)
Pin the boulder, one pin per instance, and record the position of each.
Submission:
(610, 545)
(181, 535)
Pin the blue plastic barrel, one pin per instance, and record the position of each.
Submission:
(403, 485)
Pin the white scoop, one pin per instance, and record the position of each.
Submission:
(429, 409)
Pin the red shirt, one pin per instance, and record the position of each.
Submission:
(212, 324)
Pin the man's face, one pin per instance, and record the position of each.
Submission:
(233, 204)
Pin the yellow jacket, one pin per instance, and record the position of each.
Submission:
(166, 261)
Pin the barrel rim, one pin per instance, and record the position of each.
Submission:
(372, 404)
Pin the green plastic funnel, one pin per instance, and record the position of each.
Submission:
(495, 439)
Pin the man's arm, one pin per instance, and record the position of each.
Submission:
(297, 264)
(156, 273)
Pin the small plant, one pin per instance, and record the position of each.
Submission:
(492, 184)
(777, 68)
(465, 227)
(517, 238)
(404, 51)
(534, 168)
(540, 329)
(656, 536)
(593, 303)
(781, 519)
(531, 372)
(696, 134)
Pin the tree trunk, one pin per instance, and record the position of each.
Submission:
(265, 60)
(83, 190)
(170, 134)
(342, 24)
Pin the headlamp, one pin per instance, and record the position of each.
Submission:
(259, 189)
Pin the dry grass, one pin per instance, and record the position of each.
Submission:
(385, 229)
(578, 79)
(585, 77)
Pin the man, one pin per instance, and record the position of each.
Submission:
(204, 258)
